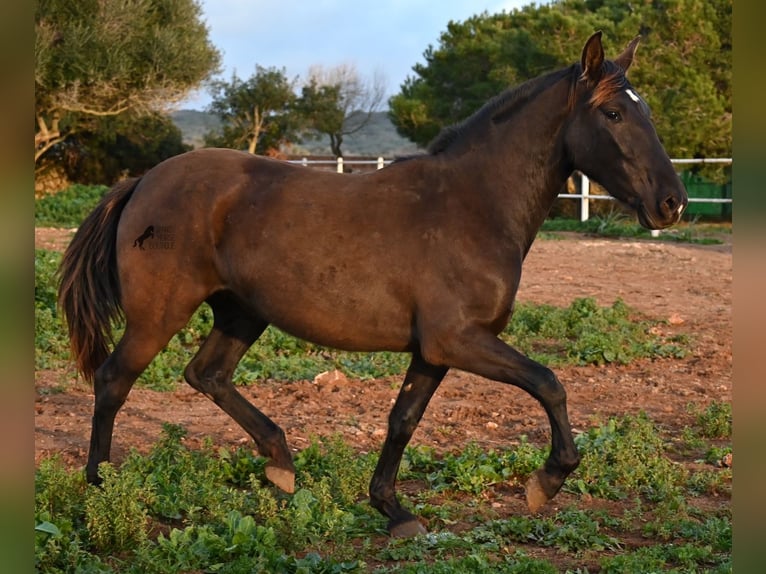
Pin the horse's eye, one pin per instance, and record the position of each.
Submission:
(613, 116)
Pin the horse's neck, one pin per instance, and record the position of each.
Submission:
(521, 166)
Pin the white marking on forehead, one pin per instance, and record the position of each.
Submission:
(632, 95)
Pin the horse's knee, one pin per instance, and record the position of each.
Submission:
(200, 380)
(548, 388)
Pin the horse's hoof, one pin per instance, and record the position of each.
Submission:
(282, 478)
(407, 529)
(536, 497)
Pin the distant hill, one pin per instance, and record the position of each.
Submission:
(377, 138)
(194, 125)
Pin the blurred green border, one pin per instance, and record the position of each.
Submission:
(749, 225)
(16, 289)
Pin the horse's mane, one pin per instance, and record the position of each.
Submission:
(497, 109)
(508, 102)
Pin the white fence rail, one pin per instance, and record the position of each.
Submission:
(584, 196)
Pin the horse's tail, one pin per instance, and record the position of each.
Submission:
(89, 291)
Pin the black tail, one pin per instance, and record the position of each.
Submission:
(89, 291)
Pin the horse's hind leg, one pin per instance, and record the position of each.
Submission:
(112, 383)
(420, 383)
(211, 370)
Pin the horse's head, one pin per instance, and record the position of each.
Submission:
(612, 140)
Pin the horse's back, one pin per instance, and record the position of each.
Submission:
(310, 251)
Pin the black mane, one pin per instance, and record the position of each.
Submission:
(499, 108)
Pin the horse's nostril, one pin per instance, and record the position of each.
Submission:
(671, 204)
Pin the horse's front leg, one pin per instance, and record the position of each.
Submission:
(420, 383)
(481, 352)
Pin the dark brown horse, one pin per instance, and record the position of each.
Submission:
(422, 257)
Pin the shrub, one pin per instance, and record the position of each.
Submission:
(624, 456)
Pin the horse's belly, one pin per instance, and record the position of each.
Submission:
(330, 306)
(347, 325)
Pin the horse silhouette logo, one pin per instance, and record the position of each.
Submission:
(148, 233)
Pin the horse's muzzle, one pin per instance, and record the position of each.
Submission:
(667, 212)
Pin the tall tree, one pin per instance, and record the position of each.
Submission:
(119, 145)
(338, 101)
(688, 84)
(96, 58)
(256, 113)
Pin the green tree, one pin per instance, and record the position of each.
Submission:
(121, 145)
(97, 58)
(337, 102)
(686, 45)
(257, 113)
(480, 57)
(683, 65)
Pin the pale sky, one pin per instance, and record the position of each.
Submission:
(387, 36)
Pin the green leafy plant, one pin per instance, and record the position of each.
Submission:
(585, 333)
(473, 469)
(68, 207)
(116, 511)
(714, 421)
(177, 509)
(625, 456)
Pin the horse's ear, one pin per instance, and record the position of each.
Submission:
(625, 59)
(593, 59)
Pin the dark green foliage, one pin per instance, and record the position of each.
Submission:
(97, 63)
(683, 65)
(51, 339)
(127, 145)
(715, 420)
(472, 470)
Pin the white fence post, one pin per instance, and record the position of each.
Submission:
(340, 164)
(584, 201)
(381, 163)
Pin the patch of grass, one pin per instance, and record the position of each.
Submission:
(585, 333)
(68, 207)
(714, 422)
(51, 339)
(618, 224)
(472, 470)
(181, 510)
(623, 457)
(117, 512)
